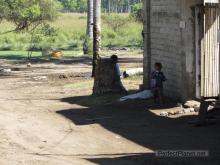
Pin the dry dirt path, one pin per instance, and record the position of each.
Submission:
(31, 131)
(47, 118)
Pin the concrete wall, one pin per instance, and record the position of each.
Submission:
(172, 44)
(188, 48)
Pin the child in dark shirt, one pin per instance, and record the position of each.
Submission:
(157, 79)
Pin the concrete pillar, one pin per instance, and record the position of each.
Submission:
(147, 43)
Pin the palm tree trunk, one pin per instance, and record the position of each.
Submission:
(109, 7)
(90, 19)
(96, 34)
(89, 31)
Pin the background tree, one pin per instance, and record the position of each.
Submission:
(81, 6)
(69, 5)
(110, 6)
(116, 22)
(43, 32)
(29, 14)
(74, 5)
(118, 6)
(137, 12)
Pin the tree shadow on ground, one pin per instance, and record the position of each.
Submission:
(151, 159)
(130, 60)
(134, 121)
(65, 60)
(19, 59)
(12, 57)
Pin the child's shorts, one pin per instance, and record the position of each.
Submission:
(157, 91)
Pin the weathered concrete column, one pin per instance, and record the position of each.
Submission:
(147, 42)
(219, 56)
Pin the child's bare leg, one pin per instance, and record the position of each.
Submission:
(156, 95)
(155, 98)
(161, 97)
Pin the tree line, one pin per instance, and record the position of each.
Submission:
(118, 6)
(74, 5)
(107, 6)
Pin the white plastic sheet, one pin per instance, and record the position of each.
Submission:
(146, 94)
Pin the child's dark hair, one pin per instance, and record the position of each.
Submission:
(114, 58)
(159, 65)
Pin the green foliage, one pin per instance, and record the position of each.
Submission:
(128, 35)
(115, 6)
(111, 35)
(69, 5)
(41, 34)
(88, 46)
(119, 6)
(28, 14)
(74, 5)
(70, 34)
(137, 12)
(115, 21)
(82, 6)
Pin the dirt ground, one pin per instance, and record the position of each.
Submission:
(47, 117)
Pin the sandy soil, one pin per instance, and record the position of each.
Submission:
(46, 119)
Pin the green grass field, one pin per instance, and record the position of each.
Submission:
(22, 54)
(71, 28)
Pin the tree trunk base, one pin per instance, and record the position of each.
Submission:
(104, 77)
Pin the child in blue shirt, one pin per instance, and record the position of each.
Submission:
(157, 79)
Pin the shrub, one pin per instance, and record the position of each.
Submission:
(137, 12)
(88, 46)
(111, 35)
(115, 21)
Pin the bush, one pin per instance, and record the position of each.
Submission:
(83, 17)
(88, 46)
(111, 35)
(137, 12)
(115, 21)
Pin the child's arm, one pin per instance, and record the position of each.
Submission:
(118, 72)
(163, 77)
(152, 76)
